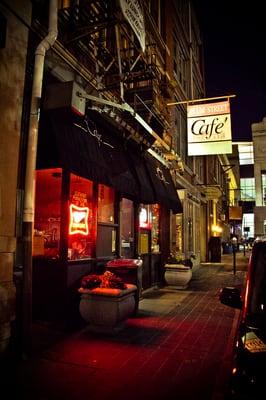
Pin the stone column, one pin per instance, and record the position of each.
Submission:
(12, 76)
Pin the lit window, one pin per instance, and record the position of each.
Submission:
(248, 225)
(127, 228)
(105, 204)
(47, 213)
(263, 187)
(155, 214)
(106, 228)
(81, 239)
(246, 155)
(149, 217)
(247, 188)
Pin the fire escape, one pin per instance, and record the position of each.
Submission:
(100, 39)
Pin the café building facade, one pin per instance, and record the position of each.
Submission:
(99, 196)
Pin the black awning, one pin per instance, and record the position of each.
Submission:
(86, 150)
(147, 193)
(93, 151)
(163, 184)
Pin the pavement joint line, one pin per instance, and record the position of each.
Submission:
(150, 355)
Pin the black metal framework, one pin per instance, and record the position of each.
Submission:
(101, 40)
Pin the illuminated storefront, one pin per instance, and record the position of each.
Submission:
(95, 202)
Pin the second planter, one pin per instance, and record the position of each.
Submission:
(177, 275)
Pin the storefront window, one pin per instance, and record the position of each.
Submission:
(177, 234)
(144, 229)
(155, 217)
(81, 232)
(106, 230)
(149, 216)
(190, 227)
(47, 213)
(105, 204)
(127, 228)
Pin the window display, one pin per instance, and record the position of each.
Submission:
(80, 214)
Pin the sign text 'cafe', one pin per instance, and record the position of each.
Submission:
(209, 128)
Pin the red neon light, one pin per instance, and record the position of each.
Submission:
(78, 220)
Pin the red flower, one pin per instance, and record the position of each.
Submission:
(107, 280)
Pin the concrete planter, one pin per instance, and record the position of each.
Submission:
(106, 309)
(177, 275)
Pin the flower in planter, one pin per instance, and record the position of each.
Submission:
(106, 280)
(177, 259)
(91, 281)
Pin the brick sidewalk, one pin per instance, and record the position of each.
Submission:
(178, 346)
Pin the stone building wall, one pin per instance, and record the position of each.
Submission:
(12, 73)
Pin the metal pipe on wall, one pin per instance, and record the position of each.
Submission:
(28, 210)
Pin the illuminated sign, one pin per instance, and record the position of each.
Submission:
(78, 220)
(209, 129)
(235, 213)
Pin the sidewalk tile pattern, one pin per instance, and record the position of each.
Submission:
(177, 347)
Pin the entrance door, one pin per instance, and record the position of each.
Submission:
(126, 228)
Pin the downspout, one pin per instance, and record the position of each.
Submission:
(28, 211)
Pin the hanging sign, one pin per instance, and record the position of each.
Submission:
(209, 129)
(235, 213)
(133, 13)
(78, 220)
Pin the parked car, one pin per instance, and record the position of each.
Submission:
(248, 379)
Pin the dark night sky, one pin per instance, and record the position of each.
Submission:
(234, 42)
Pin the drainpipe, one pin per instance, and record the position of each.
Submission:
(28, 211)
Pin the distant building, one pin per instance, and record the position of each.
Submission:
(250, 194)
(259, 144)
